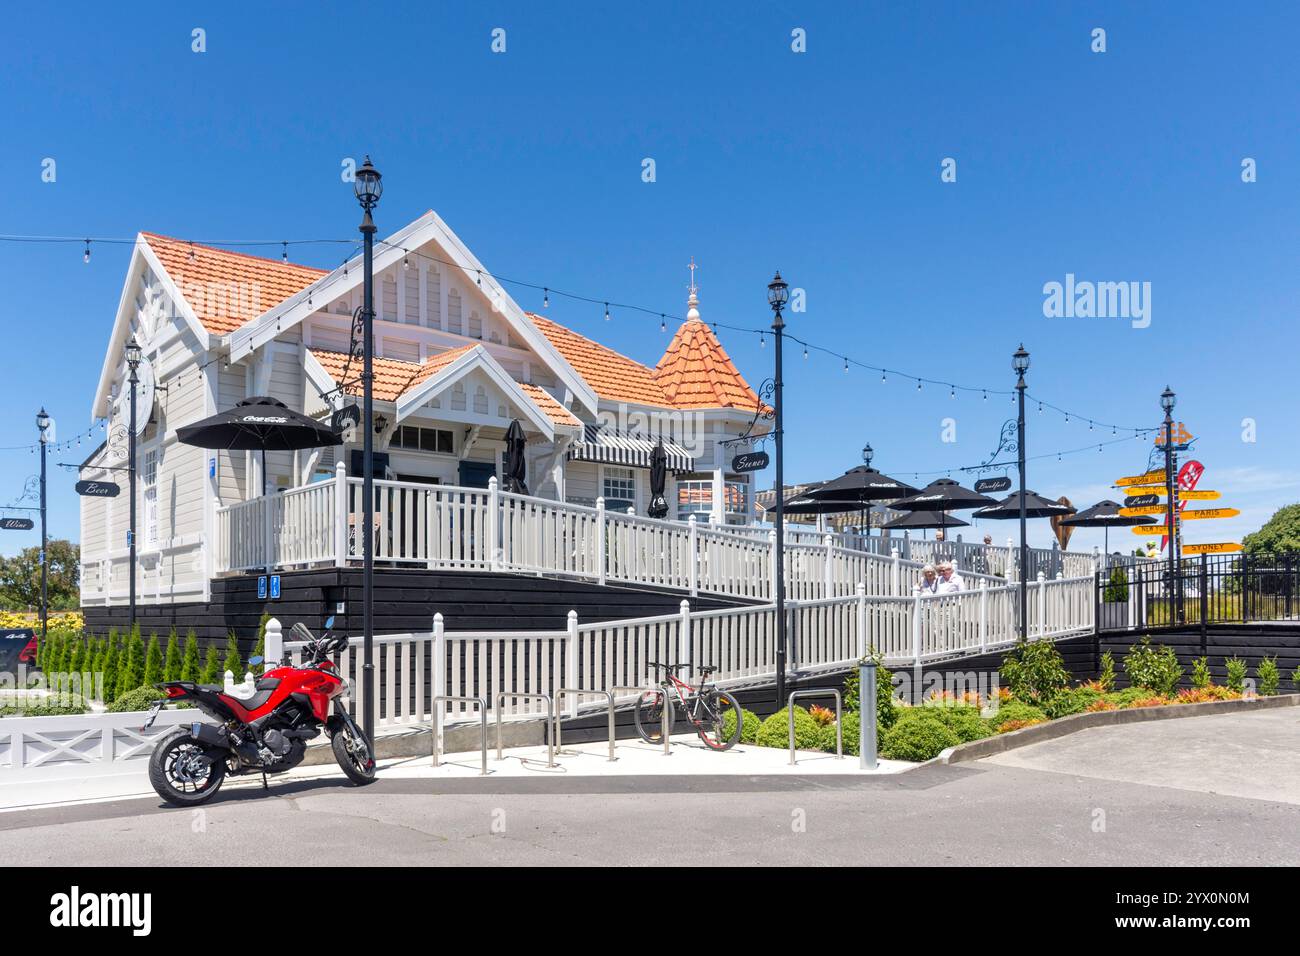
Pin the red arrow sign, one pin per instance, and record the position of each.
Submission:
(1188, 476)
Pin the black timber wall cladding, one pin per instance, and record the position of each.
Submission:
(405, 601)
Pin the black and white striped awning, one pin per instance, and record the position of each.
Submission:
(611, 447)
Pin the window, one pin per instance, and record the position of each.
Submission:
(150, 478)
(414, 438)
(619, 489)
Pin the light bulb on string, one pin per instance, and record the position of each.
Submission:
(546, 298)
(406, 260)
(918, 384)
(191, 252)
(663, 323)
(86, 256)
(846, 366)
(805, 353)
(606, 311)
(284, 252)
(762, 342)
(952, 392)
(882, 376)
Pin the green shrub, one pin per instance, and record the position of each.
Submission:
(1295, 679)
(141, 698)
(1269, 676)
(1236, 668)
(1035, 671)
(130, 668)
(886, 711)
(1201, 673)
(190, 663)
(211, 673)
(1073, 701)
(153, 663)
(1107, 676)
(172, 659)
(775, 731)
(749, 724)
(232, 663)
(1016, 711)
(1117, 586)
(962, 719)
(852, 724)
(919, 737)
(43, 709)
(1128, 696)
(1153, 667)
(110, 668)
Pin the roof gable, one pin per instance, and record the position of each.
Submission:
(613, 376)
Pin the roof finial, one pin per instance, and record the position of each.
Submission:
(693, 301)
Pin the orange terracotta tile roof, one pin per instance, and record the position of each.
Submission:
(393, 378)
(226, 289)
(696, 372)
(611, 375)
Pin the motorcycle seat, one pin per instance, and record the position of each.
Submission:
(251, 703)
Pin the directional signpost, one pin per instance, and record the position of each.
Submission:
(97, 489)
(988, 486)
(1202, 513)
(749, 461)
(16, 524)
(1225, 547)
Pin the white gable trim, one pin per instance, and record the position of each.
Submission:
(389, 252)
(476, 358)
(320, 379)
(142, 256)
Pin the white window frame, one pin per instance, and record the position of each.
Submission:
(151, 540)
(606, 477)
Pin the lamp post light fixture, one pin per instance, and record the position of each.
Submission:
(368, 186)
(778, 294)
(868, 453)
(1167, 401)
(1020, 365)
(134, 354)
(43, 426)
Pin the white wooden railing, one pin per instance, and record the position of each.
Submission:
(474, 529)
(826, 634)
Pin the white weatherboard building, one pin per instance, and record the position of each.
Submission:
(456, 361)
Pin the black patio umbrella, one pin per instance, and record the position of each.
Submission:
(918, 520)
(861, 484)
(943, 495)
(658, 481)
(512, 463)
(259, 424)
(1036, 506)
(1105, 514)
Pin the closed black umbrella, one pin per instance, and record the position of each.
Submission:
(925, 519)
(1036, 506)
(658, 481)
(514, 481)
(259, 424)
(1105, 514)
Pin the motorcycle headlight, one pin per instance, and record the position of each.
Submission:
(347, 689)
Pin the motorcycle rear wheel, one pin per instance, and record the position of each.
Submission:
(355, 755)
(177, 775)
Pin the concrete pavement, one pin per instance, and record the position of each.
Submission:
(1054, 807)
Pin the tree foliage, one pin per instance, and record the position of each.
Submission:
(20, 577)
(1280, 533)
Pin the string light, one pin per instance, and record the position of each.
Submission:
(606, 311)
(918, 384)
(86, 257)
(846, 366)
(284, 254)
(546, 299)
(406, 261)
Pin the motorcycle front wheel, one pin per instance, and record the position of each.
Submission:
(182, 773)
(353, 752)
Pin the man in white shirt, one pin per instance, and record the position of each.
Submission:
(949, 580)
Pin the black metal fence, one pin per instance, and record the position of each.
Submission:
(1209, 589)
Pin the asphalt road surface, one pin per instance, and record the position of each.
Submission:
(1197, 791)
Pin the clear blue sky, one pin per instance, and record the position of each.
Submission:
(1119, 166)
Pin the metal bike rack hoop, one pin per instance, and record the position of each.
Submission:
(550, 719)
(482, 715)
(578, 691)
(839, 717)
(663, 717)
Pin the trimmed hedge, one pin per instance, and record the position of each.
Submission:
(141, 698)
(749, 724)
(775, 731)
(920, 737)
(1017, 712)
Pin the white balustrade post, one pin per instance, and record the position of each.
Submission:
(494, 525)
(685, 654)
(829, 578)
(984, 615)
(1042, 604)
(894, 571)
(229, 682)
(571, 661)
(340, 515)
(693, 555)
(265, 503)
(273, 644)
(1016, 562)
(771, 542)
(863, 644)
(601, 537)
(916, 626)
(438, 667)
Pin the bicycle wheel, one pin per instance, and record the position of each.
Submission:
(650, 716)
(714, 706)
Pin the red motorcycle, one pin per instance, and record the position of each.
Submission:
(263, 734)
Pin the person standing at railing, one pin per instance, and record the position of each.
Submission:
(949, 580)
(929, 580)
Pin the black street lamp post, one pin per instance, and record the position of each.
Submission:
(43, 424)
(1020, 363)
(133, 356)
(778, 293)
(1167, 402)
(868, 453)
(368, 187)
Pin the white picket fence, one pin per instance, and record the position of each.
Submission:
(474, 529)
(825, 634)
(81, 745)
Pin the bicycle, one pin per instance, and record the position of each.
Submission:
(705, 707)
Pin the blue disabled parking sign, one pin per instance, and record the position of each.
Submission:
(261, 588)
(275, 587)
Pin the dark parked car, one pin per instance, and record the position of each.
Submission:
(17, 646)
